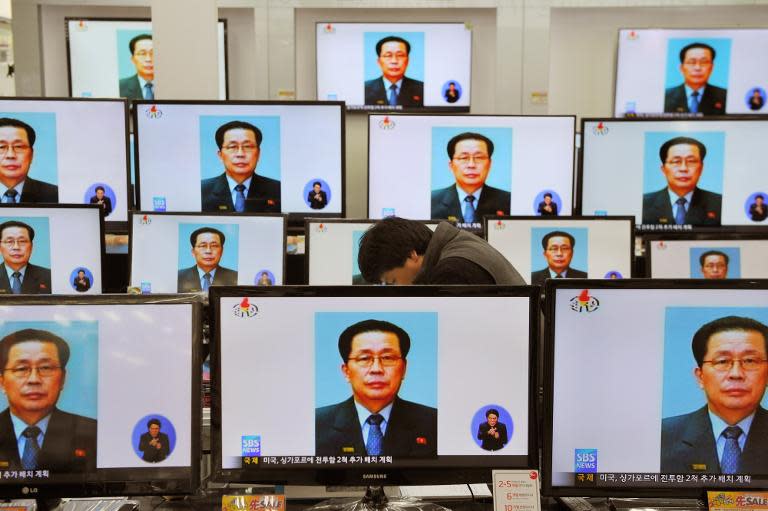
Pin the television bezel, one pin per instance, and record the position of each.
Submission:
(334, 475)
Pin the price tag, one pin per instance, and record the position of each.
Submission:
(516, 490)
(737, 500)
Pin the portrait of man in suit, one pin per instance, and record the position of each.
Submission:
(714, 264)
(695, 94)
(140, 85)
(317, 197)
(239, 188)
(375, 420)
(207, 249)
(728, 435)
(558, 251)
(154, 445)
(34, 433)
(469, 159)
(17, 140)
(682, 201)
(492, 433)
(18, 275)
(102, 200)
(393, 87)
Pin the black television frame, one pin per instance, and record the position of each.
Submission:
(579, 178)
(548, 348)
(198, 214)
(294, 218)
(161, 481)
(346, 475)
(147, 20)
(468, 116)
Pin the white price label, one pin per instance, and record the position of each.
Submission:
(516, 490)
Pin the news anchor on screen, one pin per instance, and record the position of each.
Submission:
(34, 433)
(558, 251)
(154, 445)
(17, 140)
(758, 210)
(239, 188)
(317, 197)
(682, 201)
(82, 282)
(695, 94)
(393, 87)
(728, 435)
(469, 198)
(102, 200)
(375, 421)
(714, 264)
(140, 85)
(547, 207)
(17, 274)
(492, 433)
(207, 249)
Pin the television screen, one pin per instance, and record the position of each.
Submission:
(331, 251)
(675, 175)
(395, 66)
(547, 248)
(110, 58)
(193, 156)
(428, 166)
(646, 396)
(703, 72)
(188, 253)
(72, 151)
(723, 256)
(100, 396)
(36, 245)
(339, 372)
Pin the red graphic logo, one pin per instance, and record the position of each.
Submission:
(154, 113)
(633, 35)
(145, 220)
(584, 302)
(533, 475)
(82, 26)
(321, 228)
(421, 440)
(80, 453)
(600, 129)
(245, 309)
(386, 123)
(329, 29)
(711, 214)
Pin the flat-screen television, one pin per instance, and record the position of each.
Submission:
(643, 393)
(68, 151)
(111, 58)
(37, 255)
(691, 71)
(101, 396)
(733, 255)
(195, 156)
(428, 166)
(339, 371)
(649, 168)
(542, 248)
(331, 249)
(189, 252)
(395, 66)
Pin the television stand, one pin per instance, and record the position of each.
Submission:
(375, 500)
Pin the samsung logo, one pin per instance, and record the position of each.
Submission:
(374, 476)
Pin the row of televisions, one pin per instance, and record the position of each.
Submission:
(77, 151)
(282, 411)
(432, 64)
(166, 248)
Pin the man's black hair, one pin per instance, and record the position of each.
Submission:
(318, 183)
(390, 39)
(696, 45)
(15, 123)
(154, 421)
(234, 125)
(16, 223)
(738, 323)
(490, 411)
(202, 230)
(372, 325)
(759, 197)
(708, 253)
(31, 334)
(388, 243)
(140, 37)
(545, 239)
(468, 135)
(548, 195)
(678, 141)
(99, 188)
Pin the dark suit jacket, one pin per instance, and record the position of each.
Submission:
(35, 191)
(445, 203)
(756, 216)
(317, 204)
(189, 279)
(704, 208)
(411, 92)
(151, 453)
(712, 102)
(106, 204)
(688, 440)
(544, 212)
(491, 443)
(263, 195)
(37, 281)
(538, 277)
(69, 444)
(131, 88)
(411, 431)
(84, 286)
